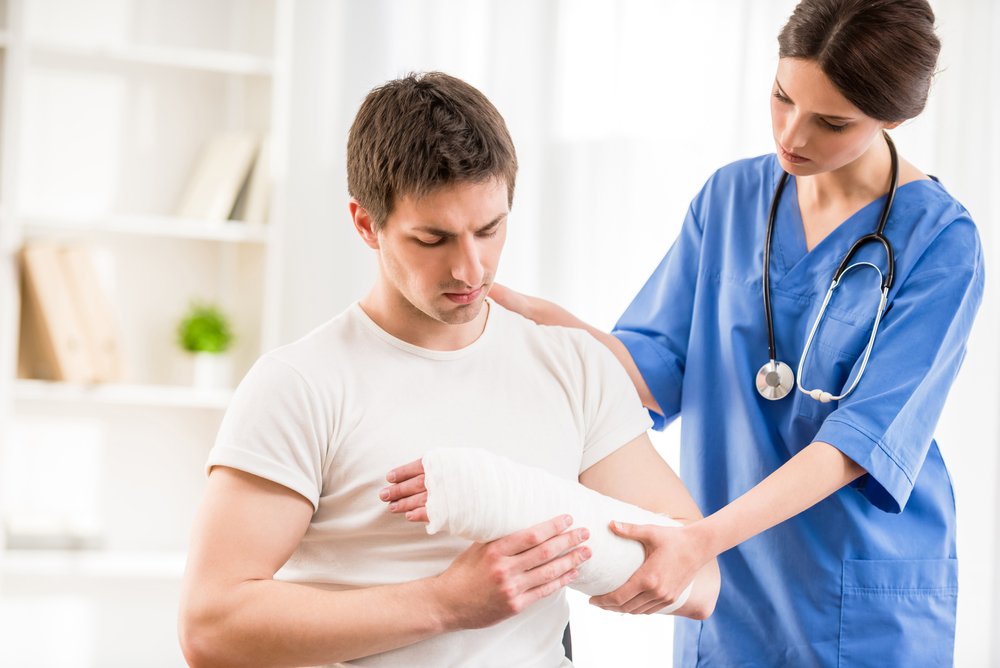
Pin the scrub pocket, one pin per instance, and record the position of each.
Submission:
(898, 613)
(836, 349)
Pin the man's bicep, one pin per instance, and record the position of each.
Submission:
(635, 473)
(246, 528)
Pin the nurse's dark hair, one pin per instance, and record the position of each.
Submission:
(880, 54)
(419, 133)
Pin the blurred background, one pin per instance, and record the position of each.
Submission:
(173, 203)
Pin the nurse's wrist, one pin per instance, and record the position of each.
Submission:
(705, 539)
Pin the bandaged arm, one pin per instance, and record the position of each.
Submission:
(481, 496)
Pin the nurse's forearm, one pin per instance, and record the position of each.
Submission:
(813, 474)
(625, 358)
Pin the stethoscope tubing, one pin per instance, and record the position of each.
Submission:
(885, 280)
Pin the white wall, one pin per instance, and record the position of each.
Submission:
(620, 110)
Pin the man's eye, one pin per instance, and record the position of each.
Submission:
(432, 241)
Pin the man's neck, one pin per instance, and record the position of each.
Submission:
(398, 317)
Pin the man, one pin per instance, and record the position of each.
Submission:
(422, 361)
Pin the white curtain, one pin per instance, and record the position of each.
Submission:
(620, 109)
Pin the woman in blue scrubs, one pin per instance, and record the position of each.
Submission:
(833, 523)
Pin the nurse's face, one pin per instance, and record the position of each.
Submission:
(816, 128)
(438, 254)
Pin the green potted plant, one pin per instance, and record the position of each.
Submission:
(205, 332)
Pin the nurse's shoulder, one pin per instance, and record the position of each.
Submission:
(739, 186)
(934, 231)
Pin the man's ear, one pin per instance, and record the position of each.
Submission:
(363, 224)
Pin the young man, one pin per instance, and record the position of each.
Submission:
(295, 559)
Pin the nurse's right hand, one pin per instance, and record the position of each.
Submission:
(545, 312)
(540, 310)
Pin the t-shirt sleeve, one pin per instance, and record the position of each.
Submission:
(274, 429)
(887, 423)
(613, 412)
(657, 324)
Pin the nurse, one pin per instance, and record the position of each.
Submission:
(833, 522)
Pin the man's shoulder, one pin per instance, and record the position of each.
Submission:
(548, 340)
(329, 343)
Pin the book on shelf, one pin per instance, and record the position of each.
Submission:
(219, 176)
(254, 201)
(95, 312)
(68, 325)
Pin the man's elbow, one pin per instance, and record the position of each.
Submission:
(704, 594)
(199, 636)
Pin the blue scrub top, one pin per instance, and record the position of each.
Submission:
(869, 575)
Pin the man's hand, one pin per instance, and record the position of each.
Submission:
(673, 558)
(490, 582)
(407, 494)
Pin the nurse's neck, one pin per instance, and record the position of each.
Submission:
(852, 186)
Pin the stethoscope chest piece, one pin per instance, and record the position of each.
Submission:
(775, 380)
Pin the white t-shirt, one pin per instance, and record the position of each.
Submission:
(329, 415)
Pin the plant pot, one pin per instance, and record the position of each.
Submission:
(212, 371)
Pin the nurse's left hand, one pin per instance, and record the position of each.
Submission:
(672, 561)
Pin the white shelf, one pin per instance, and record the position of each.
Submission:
(92, 564)
(151, 226)
(222, 62)
(156, 396)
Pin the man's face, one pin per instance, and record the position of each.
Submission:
(439, 254)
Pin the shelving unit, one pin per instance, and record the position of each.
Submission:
(149, 226)
(151, 396)
(103, 112)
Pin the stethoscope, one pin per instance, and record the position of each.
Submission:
(775, 379)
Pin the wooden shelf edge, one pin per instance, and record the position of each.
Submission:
(207, 60)
(164, 396)
(150, 226)
(92, 564)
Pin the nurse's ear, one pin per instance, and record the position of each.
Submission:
(893, 125)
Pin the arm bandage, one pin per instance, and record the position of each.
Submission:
(480, 496)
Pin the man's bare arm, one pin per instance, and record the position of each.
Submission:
(636, 473)
(233, 613)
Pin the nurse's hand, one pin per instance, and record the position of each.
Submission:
(540, 310)
(407, 494)
(672, 562)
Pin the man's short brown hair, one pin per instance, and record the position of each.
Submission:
(419, 133)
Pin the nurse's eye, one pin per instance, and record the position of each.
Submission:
(781, 98)
(834, 127)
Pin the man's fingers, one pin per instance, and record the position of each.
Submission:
(552, 548)
(550, 587)
(409, 503)
(418, 515)
(556, 568)
(406, 471)
(403, 489)
(523, 540)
